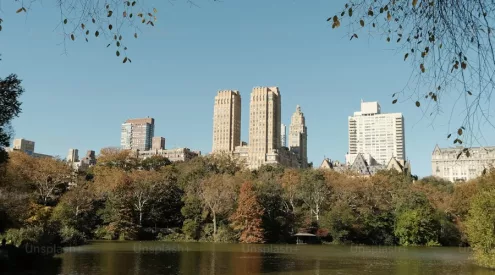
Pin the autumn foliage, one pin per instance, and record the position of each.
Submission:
(247, 218)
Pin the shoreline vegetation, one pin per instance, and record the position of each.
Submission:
(215, 199)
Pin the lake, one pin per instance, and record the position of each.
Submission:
(207, 258)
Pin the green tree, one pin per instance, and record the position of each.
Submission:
(10, 107)
(217, 194)
(481, 229)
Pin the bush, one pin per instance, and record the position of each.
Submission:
(71, 236)
(480, 229)
(103, 233)
(417, 226)
(225, 234)
(191, 229)
(173, 237)
(31, 235)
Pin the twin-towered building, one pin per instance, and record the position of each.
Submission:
(265, 129)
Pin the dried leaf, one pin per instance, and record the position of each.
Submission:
(394, 101)
(418, 104)
(125, 60)
(72, 37)
(361, 22)
(459, 132)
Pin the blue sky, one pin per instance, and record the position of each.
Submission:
(79, 99)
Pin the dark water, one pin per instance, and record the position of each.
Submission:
(206, 258)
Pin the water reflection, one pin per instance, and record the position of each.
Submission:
(209, 259)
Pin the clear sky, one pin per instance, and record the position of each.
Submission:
(79, 100)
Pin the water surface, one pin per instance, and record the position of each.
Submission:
(208, 258)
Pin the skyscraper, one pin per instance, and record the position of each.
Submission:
(264, 124)
(137, 134)
(283, 135)
(226, 121)
(298, 136)
(73, 155)
(380, 135)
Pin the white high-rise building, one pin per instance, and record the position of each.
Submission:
(283, 135)
(137, 134)
(226, 121)
(380, 135)
(298, 136)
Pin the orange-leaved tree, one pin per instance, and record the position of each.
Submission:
(247, 218)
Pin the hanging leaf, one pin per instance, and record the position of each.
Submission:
(135, 35)
(124, 14)
(405, 56)
(414, 3)
(394, 101)
(418, 104)
(82, 26)
(19, 10)
(72, 37)
(93, 20)
(459, 132)
(118, 44)
(422, 67)
(110, 27)
(449, 136)
(65, 21)
(110, 13)
(469, 93)
(117, 53)
(125, 60)
(155, 10)
(361, 22)
(133, 3)
(97, 33)
(350, 12)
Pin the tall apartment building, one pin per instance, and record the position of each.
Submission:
(24, 145)
(226, 121)
(137, 133)
(73, 155)
(446, 163)
(158, 143)
(298, 136)
(283, 135)
(380, 135)
(264, 125)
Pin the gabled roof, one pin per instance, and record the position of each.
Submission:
(360, 165)
(326, 164)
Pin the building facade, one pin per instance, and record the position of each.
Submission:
(452, 163)
(380, 135)
(158, 143)
(298, 136)
(283, 135)
(264, 125)
(174, 155)
(226, 121)
(137, 134)
(24, 145)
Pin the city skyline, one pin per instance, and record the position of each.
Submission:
(185, 64)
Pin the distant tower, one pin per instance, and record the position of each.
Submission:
(283, 135)
(264, 124)
(298, 136)
(226, 121)
(137, 134)
(73, 155)
(158, 143)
